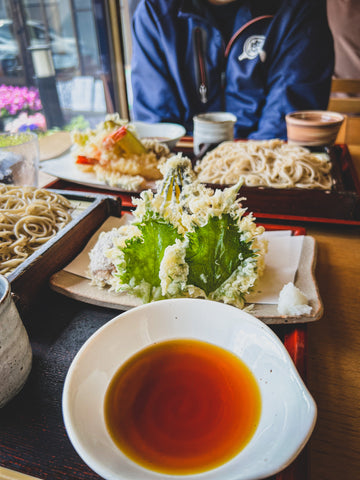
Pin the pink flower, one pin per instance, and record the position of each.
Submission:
(14, 100)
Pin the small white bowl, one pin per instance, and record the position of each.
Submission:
(288, 411)
(168, 133)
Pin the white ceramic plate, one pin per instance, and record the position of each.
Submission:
(169, 133)
(288, 411)
(64, 167)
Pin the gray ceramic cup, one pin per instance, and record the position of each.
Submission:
(212, 128)
(15, 348)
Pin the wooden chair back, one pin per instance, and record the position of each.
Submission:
(345, 98)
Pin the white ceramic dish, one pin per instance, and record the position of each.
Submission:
(288, 411)
(169, 133)
(64, 167)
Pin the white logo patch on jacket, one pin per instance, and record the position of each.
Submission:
(253, 47)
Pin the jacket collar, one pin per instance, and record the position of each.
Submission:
(198, 8)
(248, 8)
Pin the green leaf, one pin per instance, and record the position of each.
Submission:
(143, 254)
(214, 252)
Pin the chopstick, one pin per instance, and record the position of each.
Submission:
(7, 474)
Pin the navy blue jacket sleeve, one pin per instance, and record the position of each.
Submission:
(300, 65)
(155, 95)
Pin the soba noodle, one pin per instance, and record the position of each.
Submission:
(29, 217)
(269, 163)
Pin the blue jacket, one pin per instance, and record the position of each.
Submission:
(279, 59)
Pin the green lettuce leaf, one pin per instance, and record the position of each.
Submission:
(214, 252)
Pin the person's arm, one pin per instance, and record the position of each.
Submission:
(300, 67)
(155, 96)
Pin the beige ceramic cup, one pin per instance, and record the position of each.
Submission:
(15, 348)
(313, 127)
(19, 158)
(212, 128)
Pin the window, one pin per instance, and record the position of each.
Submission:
(84, 41)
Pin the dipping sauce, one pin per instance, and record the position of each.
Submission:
(182, 407)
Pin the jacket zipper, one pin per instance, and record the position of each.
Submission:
(203, 87)
(199, 48)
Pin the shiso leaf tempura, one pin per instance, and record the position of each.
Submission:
(188, 240)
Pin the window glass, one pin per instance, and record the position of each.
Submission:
(82, 3)
(88, 42)
(76, 38)
(6, 30)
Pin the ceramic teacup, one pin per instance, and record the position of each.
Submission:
(313, 127)
(212, 128)
(15, 348)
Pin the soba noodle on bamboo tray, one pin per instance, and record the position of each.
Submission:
(268, 163)
(29, 217)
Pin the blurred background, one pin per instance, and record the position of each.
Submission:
(70, 56)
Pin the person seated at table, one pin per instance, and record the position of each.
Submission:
(258, 59)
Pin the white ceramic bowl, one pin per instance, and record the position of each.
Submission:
(168, 133)
(288, 411)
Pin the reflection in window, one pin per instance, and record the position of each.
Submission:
(80, 51)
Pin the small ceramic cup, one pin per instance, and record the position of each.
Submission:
(212, 128)
(15, 348)
(313, 127)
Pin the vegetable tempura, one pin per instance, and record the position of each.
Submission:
(187, 241)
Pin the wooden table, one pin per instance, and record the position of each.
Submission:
(333, 371)
(334, 356)
(334, 352)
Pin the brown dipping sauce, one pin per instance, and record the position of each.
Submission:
(182, 407)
